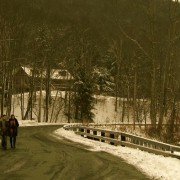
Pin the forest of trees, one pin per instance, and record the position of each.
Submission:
(123, 48)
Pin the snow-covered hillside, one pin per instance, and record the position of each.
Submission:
(104, 108)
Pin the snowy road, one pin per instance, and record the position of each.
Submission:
(39, 156)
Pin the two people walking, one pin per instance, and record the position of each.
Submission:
(8, 127)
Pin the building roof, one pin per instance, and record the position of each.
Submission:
(61, 74)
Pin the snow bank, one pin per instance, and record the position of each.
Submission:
(155, 166)
(24, 123)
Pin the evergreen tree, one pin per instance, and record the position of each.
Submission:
(83, 99)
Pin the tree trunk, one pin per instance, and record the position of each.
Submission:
(48, 79)
(40, 97)
(135, 98)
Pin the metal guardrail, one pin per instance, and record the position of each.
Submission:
(125, 139)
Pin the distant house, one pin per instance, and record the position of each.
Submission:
(60, 79)
(21, 80)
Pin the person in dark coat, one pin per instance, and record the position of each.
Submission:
(4, 128)
(13, 130)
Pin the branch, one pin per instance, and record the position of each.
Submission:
(134, 41)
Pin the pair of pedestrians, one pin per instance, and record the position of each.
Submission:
(8, 127)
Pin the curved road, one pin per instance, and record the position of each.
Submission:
(39, 156)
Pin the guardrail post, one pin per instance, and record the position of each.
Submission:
(95, 133)
(107, 135)
(77, 129)
(81, 130)
(88, 131)
(123, 138)
(112, 136)
(103, 135)
(171, 149)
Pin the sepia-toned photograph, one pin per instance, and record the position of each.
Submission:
(90, 89)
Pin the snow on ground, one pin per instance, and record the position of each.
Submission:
(155, 166)
(24, 123)
(17, 110)
(104, 108)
